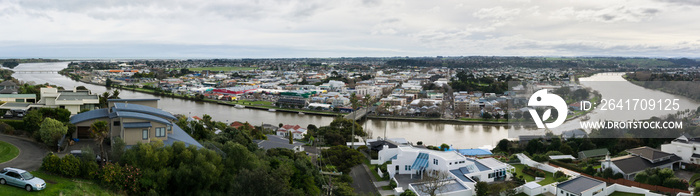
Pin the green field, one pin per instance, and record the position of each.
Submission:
(258, 103)
(56, 185)
(7, 151)
(222, 68)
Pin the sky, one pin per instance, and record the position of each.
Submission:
(347, 28)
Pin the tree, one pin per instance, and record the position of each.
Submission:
(100, 130)
(433, 182)
(482, 188)
(32, 121)
(444, 147)
(291, 136)
(503, 145)
(51, 131)
(408, 193)
(343, 157)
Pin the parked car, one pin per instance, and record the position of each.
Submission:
(22, 179)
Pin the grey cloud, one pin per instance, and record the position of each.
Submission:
(682, 2)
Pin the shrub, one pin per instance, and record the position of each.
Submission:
(558, 174)
(540, 158)
(6, 129)
(51, 163)
(120, 178)
(540, 174)
(51, 131)
(362, 148)
(70, 166)
(675, 183)
(392, 184)
(408, 193)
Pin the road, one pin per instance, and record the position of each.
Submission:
(30, 153)
(361, 181)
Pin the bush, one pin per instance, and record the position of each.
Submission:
(540, 158)
(15, 124)
(558, 174)
(362, 148)
(51, 163)
(675, 183)
(408, 193)
(6, 129)
(70, 166)
(392, 184)
(120, 178)
(51, 131)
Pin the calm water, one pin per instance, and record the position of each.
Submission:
(432, 133)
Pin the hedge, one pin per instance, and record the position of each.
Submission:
(17, 124)
(568, 166)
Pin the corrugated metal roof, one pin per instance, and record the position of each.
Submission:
(137, 125)
(143, 109)
(139, 116)
(89, 115)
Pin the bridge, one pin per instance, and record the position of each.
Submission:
(35, 72)
(357, 114)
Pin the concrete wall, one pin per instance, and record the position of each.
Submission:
(529, 162)
(621, 188)
(133, 136)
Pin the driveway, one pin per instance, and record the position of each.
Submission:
(361, 181)
(30, 153)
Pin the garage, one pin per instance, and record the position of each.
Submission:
(83, 132)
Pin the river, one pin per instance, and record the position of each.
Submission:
(430, 133)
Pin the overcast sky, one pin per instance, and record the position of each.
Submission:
(347, 28)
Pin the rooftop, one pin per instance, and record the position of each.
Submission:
(143, 109)
(579, 184)
(451, 186)
(631, 164)
(649, 153)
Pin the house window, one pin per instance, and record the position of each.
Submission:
(160, 132)
(170, 128)
(145, 134)
(435, 161)
(117, 123)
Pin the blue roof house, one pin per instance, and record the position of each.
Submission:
(133, 123)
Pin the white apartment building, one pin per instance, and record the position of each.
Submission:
(686, 147)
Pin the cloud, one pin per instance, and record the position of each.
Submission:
(608, 15)
(275, 28)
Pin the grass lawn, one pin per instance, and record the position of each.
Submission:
(222, 68)
(519, 172)
(548, 177)
(373, 170)
(7, 151)
(617, 193)
(56, 185)
(387, 187)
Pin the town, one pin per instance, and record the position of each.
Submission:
(342, 157)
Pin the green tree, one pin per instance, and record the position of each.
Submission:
(408, 193)
(343, 157)
(482, 188)
(503, 146)
(32, 121)
(444, 147)
(100, 130)
(51, 131)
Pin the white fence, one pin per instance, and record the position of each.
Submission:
(529, 162)
(622, 188)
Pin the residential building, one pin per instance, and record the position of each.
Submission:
(686, 147)
(409, 160)
(297, 131)
(393, 101)
(581, 186)
(8, 87)
(133, 123)
(640, 159)
(292, 101)
(71, 100)
(276, 141)
(586, 154)
(19, 98)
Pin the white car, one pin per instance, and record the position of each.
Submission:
(22, 179)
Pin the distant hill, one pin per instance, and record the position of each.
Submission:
(12, 63)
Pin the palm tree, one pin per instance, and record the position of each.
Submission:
(99, 131)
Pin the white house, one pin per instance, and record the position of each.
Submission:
(640, 159)
(297, 131)
(464, 171)
(581, 186)
(686, 147)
